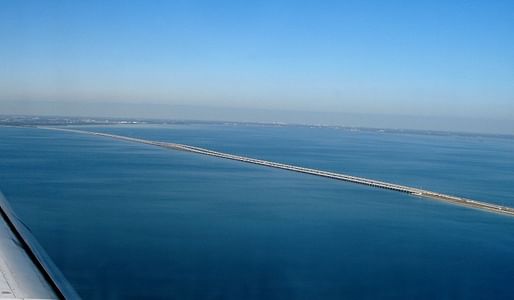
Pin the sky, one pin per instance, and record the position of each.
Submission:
(450, 59)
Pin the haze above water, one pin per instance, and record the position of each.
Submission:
(124, 220)
(440, 65)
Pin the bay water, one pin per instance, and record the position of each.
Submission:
(133, 221)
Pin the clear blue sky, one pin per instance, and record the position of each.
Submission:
(430, 58)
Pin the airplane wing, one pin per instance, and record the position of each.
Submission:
(26, 272)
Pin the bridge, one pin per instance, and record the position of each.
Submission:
(337, 176)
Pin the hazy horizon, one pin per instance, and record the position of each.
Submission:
(436, 65)
(234, 114)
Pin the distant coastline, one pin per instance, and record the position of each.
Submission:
(40, 120)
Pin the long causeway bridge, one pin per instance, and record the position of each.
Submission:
(338, 176)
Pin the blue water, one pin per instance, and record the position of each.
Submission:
(470, 166)
(133, 221)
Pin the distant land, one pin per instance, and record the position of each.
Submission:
(29, 120)
(455, 122)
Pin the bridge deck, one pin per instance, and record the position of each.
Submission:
(338, 176)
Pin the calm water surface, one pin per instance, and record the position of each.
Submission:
(132, 221)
